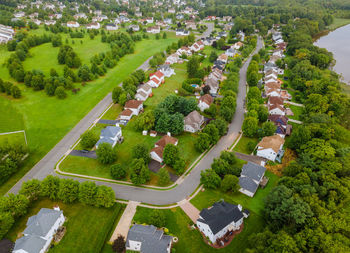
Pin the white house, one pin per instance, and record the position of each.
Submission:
(73, 24)
(126, 114)
(143, 92)
(182, 32)
(19, 14)
(39, 231)
(197, 46)
(6, 33)
(222, 217)
(135, 28)
(231, 52)
(184, 50)
(213, 85)
(166, 70)
(135, 106)
(273, 93)
(153, 29)
(205, 101)
(157, 152)
(149, 20)
(112, 27)
(94, 25)
(171, 59)
(270, 147)
(111, 135)
(156, 79)
(277, 110)
(251, 176)
(148, 239)
(193, 122)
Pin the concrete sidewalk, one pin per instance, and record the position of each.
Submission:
(191, 211)
(125, 221)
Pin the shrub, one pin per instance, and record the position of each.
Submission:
(60, 93)
(105, 153)
(88, 139)
(157, 218)
(117, 171)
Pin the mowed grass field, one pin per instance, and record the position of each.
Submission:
(47, 119)
(88, 227)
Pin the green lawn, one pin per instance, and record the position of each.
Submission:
(339, 22)
(207, 50)
(255, 204)
(87, 227)
(242, 147)
(47, 119)
(191, 240)
(11, 139)
(297, 110)
(113, 112)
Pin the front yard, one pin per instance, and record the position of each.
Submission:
(244, 143)
(87, 227)
(297, 110)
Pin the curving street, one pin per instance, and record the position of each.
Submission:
(157, 197)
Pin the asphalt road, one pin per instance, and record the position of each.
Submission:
(45, 166)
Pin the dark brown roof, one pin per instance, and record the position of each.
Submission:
(206, 99)
(275, 101)
(158, 151)
(134, 104)
(126, 112)
(166, 140)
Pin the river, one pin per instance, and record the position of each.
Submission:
(338, 42)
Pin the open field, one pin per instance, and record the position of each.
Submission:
(97, 222)
(190, 241)
(339, 22)
(47, 119)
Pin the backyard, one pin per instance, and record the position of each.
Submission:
(98, 222)
(47, 119)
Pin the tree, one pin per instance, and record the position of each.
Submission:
(213, 55)
(87, 193)
(221, 125)
(145, 121)
(60, 93)
(252, 78)
(212, 132)
(164, 35)
(210, 179)
(118, 171)
(16, 92)
(16, 205)
(117, 91)
(170, 154)
(164, 177)
(319, 150)
(6, 222)
(254, 93)
(202, 143)
(105, 197)
(268, 129)
(263, 113)
(179, 166)
(230, 183)
(119, 244)
(68, 190)
(139, 173)
(105, 153)
(192, 67)
(141, 150)
(157, 218)
(250, 126)
(31, 189)
(50, 187)
(88, 139)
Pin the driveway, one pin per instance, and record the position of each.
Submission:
(190, 210)
(145, 195)
(88, 154)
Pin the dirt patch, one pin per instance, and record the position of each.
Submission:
(277, 169)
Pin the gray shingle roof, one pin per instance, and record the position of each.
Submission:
(220, 215)
(31, 244)
(248, 184)
(152, 240)
(110, 131)
(41, 223)
(253, 171)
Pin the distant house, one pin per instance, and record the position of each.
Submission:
(134, 28)
(276, 110)
(135, 106)
(148, 239)
(166, 70)
(112, 27)
(251, 176)
(19, 14)
(214, 222)
(149, 20)
(213, 85)
(205, 101)
(143, 92)
(193, 122)
(111, 135)
(6, 33)
(272, 85)
(73, 24)
(153, 29)
(197, 46)
(171, 59)
(182, 32)
(94, 25)
(157, 151)
(126, 114)
(270, 147)
(39, 231)
(156, 79)
(231, 52)
(184, 50)
(273, 93)
(223, 58)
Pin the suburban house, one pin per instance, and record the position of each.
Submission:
(39, 232)
(205, 101)
(275, 101)
(135, 106)
(273, 93)
(237, 45)
(149, 20)
(166, 70)
(94, 25)
(126, 114)
(231, 52)
(19, 14)
(223, 58)
(73, 24)
(251, 176)
(213, 85)
(157, 151)
(156, 79)
(276, 109)
(197, 46)
(153, 29)
(174, 58)
(111, 135)
(283, 128)
(112, 27)
(148, 239)
(184, 50)
(6, 33)
(193, 122)
(134, 28)
(216, 74)
(143, 92)
(271, 147)
(272, 85)
(214, 222)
